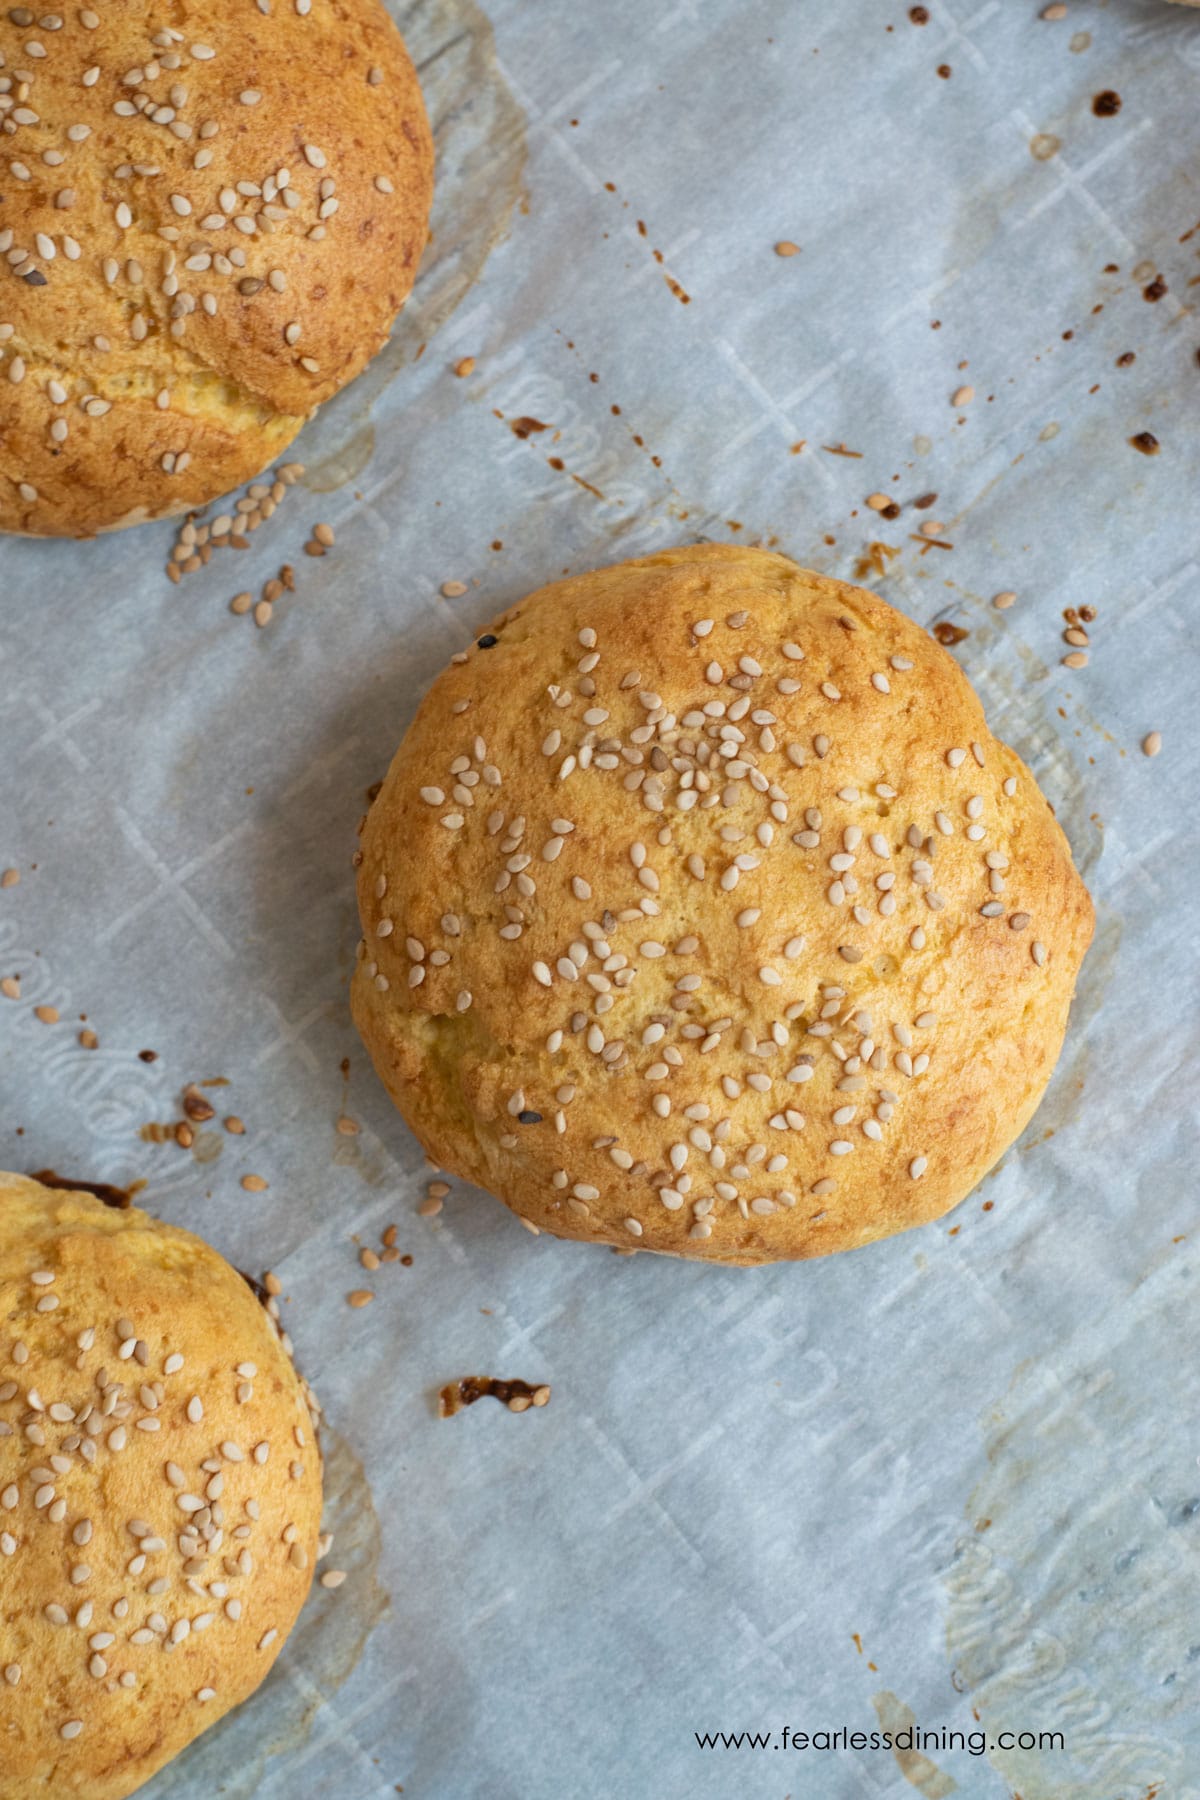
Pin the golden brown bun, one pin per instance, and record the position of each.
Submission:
(723, 993)
(95, 1506)
(338, 102)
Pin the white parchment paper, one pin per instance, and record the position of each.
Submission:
(952, 1477)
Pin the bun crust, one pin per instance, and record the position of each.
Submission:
(171, 310)
(160, 1493)
(702, 913)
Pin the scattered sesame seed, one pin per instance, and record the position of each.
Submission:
(1152, 743)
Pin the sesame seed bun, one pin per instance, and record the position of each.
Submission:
(160, 1493)
(704, 914)
(206, 229)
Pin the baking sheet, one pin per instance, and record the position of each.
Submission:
(951, 1478)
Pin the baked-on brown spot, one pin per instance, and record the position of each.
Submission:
(1146, 442)
(949, 634)
(120, 1197)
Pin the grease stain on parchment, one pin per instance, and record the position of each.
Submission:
(324, 1648)
(1077, 1614)
(480, 150)
(914, 1765)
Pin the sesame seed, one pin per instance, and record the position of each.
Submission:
(1152, 743)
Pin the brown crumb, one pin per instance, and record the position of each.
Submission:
(1146, 442)
(517, 1396)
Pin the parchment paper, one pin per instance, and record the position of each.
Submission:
(950, 1477)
